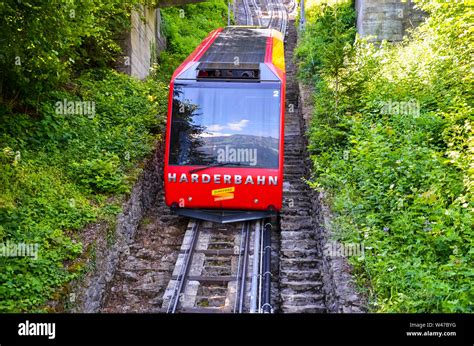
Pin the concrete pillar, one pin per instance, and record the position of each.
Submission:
(142, 45)
(386, 19)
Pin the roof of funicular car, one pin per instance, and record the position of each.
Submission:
(248, 47)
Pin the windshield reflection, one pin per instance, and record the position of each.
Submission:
(227, 123)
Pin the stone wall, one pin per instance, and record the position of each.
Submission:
(107, 242)
(386, 19)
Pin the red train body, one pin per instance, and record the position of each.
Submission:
(225, 127)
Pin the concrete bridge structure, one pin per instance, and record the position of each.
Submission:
(386, 19)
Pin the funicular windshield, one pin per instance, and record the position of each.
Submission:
(229, 124)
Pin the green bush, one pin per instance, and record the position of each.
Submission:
(42, 43)
(185, 27)
(321, 56)
(101, 174)
(399, 179)
(58, 170)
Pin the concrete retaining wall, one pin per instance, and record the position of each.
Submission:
(144, 42)
(386, 19)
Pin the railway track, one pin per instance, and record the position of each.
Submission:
(227, 268)
(221, 268)
(247, 13)
(270, 14)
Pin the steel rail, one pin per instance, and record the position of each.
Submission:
(181, 280)
(242, 236)
(248, 15)
(268, 2)
(266, 306)
(260, 281)
(243, 278)
(258, 13)
(255, 269)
